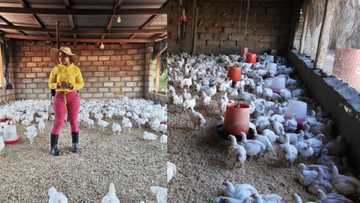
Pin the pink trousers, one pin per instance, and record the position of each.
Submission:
(71, 105)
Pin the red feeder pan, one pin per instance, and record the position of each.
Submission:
(234, 72)
(12, 141)
(251, 58)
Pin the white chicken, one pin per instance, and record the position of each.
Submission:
(111, 197)
(239, 191)
(126, 124)
(103, 124)
(171, 171)
(236, 152)
(224, 100)
(252, 147)
(206, 100)
(160, 192)
(289, 151)
(116, 128)
(149, 136)
(56, 197)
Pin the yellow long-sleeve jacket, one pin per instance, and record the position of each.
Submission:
(70, 74)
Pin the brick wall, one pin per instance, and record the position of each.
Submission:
(221, 26)
(114, 71)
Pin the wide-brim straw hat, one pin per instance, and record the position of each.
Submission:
(54, 54)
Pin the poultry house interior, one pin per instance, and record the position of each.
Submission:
(199, 101)
(299, 56)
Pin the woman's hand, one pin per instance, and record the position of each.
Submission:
(64, 85)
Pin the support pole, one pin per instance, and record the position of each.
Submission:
(325, 33)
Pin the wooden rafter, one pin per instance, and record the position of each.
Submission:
(87, 30)
(147, 22)
(86, 40)
(26, 4)
(73, 11)
(70, 17)
(113, 15)
(10, 24)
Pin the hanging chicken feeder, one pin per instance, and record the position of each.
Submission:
(251, 58)
(296, 109)
(234, 72)
(237, 118)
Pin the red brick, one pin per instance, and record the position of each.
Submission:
(99, 74)
(102, 68)
(108, 84)
(103, 79)
(116, 57)
(36, 59)
(92, 79)
(126, 89)
(108, 52)
(130, 84)
(103, 89)
(36, 70)
(82, 58)
(108, 94)
(20, 75)
(137, 67)
(30, 75)
(42, 74)
(98, 95)
(126, 57)
(104, 58)
(97, 63)
(132, 51)
(85, 63)
(31, 64)
(93, 58)
(92, 89)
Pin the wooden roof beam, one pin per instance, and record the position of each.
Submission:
(10, 24)
(87, 40)
(113, 15)
(147, 22)
(73, 11)
(87, 30)
(26, 4)
(70, 17)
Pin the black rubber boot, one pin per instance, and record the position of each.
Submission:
(53, 144)
(75, 142)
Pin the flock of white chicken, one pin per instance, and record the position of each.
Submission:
(201, 82)
(110, 197)
(119, 115)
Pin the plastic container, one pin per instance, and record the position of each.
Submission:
(234, 72)
(278, 83)
(271, 66)
(268, 83)
(270, 59)
(251, 58)
(296, 109)
(10, 136)
(237, 118)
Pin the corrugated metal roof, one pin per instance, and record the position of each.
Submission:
(96, 22)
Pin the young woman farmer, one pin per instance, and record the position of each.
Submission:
(66, 79)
